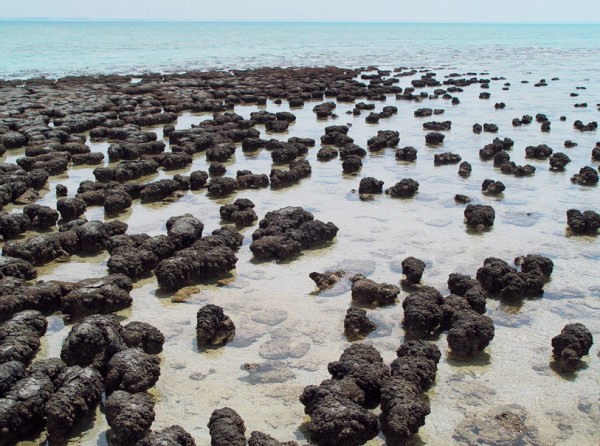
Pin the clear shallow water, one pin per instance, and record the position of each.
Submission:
(274, 305)
(54, 49)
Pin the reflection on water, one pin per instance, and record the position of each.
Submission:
(287, 333)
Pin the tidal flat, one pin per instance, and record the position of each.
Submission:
(287, 331)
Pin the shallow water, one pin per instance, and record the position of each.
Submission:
(59, 48)
(281, 320)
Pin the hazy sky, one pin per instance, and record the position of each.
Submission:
(529, 11)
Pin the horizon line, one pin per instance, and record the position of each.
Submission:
(86, 19)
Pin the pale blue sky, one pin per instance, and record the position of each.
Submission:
(518, 11)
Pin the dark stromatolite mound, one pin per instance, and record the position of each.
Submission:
(535, 263)
(42, 217)
(54, 163)
(540, 152)
(351, 164)
(357, 325)
(452, 305)
(12, 225)
(479, 216)
(419, 371)
(470, 332)
(10, 373)
(92, 236)
(350, 150)
(370, 185)
(462, 199)
(336, 420)
(220, 152)
(510, 168)
(134, 262)
(298, 169)
(595, 152)
(586, 222)
(93, 342)
(198, 179)
(286, 232)
(103, 295)
(403, 411)
(213, 326)
(170, 436)
(143, 335)
(440, 159)
(491, 187)
(248, 180)
(261, 439)
(570, 144)
(587, 176)
(132, 151)
(501, 158)
(222, 186)
(413, 269)
(498, 277)
(138, 254)
(423, 112)
(437, 125)
(364, 364)
(558, 162)
(327, 153)
(226, 428)
(184, 230)
(18, 268)
(13, 139)
(288, 152)
(129, 416)
(384, 138)
(589, 127)
(70, 208)
(422, 312)
(241, 212)
(434, 138)
(498, 145)
(469, 288)
(345, 387)
(206, 258)
(50, 367)
(161, 189)
(126, 170)
(327, 279)
(79, 391)
(368, 291)
(20, 336)
(22, 408)
(132, 370)
(324, 110)
(44, 248)
(405, 188)
(422, 349)
(407, 153)
(464, 169)
(573, 342)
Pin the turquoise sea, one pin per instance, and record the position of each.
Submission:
(59, 48)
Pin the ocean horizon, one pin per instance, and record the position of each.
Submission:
(57, 48)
